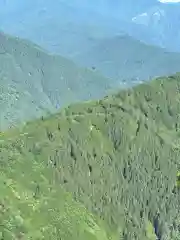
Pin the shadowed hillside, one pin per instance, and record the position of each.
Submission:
(124, 57)
(118, 157)
(33, 82)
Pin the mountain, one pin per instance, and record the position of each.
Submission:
(106, 169)
(53, 26)
(68, 28)
(153, 16)
(160, 22)
(33, 81)
(128, 59)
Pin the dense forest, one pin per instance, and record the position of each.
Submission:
(98, 170)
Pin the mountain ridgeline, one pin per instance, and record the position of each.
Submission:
(97, 170)
(128, 60)
(34, 82)
(32, 78)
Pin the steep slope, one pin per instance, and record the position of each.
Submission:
(124, 57)
(118, 156)
(33, 206)
(33, 82)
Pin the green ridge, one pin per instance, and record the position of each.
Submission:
(118, 157)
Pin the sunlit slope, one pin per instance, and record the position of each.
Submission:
(34, 206)
(118, 156)
(33, 82)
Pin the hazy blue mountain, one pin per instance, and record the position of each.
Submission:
(64, 28)
(33, 82)
(160, 23)
(124, 57)
(73, 27)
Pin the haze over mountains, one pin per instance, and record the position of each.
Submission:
(34, 82)
(161, 21)
(53, 25)
(124, 58)
(92, 37)
(92, 34)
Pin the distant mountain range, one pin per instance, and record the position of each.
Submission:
(33, 82)
(161, 22)
(88, 36)
(128, 59)
(72, 27)
(62, 27)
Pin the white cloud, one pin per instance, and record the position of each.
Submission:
(169, 1)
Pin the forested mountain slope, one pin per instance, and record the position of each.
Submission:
(118, 157)
(33, 82)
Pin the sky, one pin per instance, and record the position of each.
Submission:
(169, 1)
